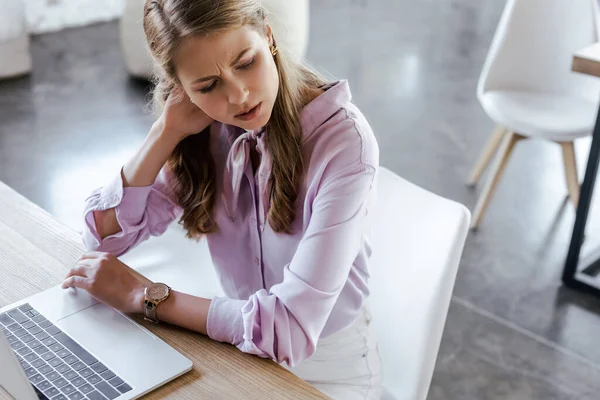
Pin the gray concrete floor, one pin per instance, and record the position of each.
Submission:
(513, 331)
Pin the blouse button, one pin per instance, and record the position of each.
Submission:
(256, 260)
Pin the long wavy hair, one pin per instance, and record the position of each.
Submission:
(166, 24)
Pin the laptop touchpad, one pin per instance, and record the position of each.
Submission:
(58, 303)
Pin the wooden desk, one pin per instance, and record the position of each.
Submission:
(583, 274)
(35, 253)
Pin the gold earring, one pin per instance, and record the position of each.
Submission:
(274, 50)
(191, 101)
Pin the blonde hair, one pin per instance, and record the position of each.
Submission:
(166, 24)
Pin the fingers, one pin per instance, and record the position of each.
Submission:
(78, 269)
(76, 281)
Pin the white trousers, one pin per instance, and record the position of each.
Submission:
(346, 365)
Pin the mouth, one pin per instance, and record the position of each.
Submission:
(249, 113)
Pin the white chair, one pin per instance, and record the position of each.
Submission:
(15, 58)
(418, 238)
(527, 87)
(288, 18)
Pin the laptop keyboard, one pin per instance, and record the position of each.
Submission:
(57, 366)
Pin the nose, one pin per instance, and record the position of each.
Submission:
(238, 93)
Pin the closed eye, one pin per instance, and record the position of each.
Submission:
(208, 88)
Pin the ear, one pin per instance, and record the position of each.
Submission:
(270, 35)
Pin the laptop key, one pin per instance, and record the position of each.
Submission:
(20, 332)
(30, 372)
(86, 373)
(75, 348)
(56, 347)
(53, 330)
(52, 376)
(44, 385)
(35, 330)
(25, 307)
(45, 369)
(49, 341)
(78, 366)
(108, 374)
(107, 390)
(67, 389)
(29, 324)
(70, 375)
(60, 382)
(86, 388)
(71, 359)
(64, 353)
(51, 392)
(98, 367)
(39, 319)
(13, 327)
(63, 368)
(6, 319)
(41, 349)
(93, 379)
(42, 335)
(94, 396)
(60, 397)
(124, 388)
(32, 313)
(35, 379)
(48, 356)
(17, 345)
(55, 362)
(116, 381)
(11, 338)
(37, 363)
(24, 364)
(76, 396)
(31, 356)
(18, 316)
(27, 338)
(44, 324)
(78, 381)
(24, 351)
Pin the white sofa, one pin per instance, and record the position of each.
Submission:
(15, 58)
(289, 19)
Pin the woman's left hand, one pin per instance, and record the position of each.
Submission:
(109, 281)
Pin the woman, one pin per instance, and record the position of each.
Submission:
(276, 169)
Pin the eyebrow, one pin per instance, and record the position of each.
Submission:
(208, 78)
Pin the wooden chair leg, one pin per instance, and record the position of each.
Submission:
(508, 145)
(570, 163)
(487, 154)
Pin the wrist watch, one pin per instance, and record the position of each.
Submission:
(153, 296)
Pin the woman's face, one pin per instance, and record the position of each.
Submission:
(231, 76)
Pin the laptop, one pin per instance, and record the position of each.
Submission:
(64, 345)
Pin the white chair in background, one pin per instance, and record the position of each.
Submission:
(15, 58)
(288, 18)
(418, 239)
(527, 87)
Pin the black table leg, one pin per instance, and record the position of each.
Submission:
(570, 273)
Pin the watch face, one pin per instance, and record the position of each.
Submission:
(157, 291)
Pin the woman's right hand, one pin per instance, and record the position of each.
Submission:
(181, 117)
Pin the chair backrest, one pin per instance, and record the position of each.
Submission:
(533, 48)
(418, 239)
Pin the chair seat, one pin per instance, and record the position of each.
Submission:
(543, 115)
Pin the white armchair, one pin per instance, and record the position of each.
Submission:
(288, 18)
(418, 239)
